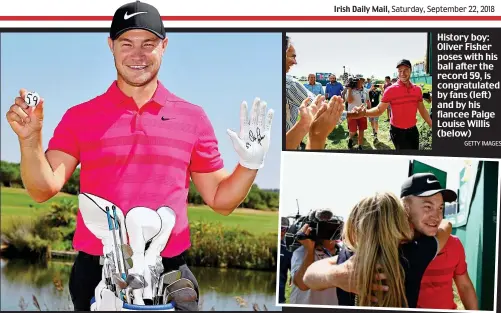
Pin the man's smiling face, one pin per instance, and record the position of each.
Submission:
(138, 56)
(426, 213)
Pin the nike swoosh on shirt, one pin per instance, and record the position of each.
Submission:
(126, 16)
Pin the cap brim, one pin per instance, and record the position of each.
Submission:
(118, 34)
(447, 194)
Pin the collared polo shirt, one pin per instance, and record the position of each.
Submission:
(138, 157)
(334, 89)
(436, 285)
(404, 102)
(316, 89)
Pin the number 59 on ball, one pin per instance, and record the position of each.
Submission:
(32, 99)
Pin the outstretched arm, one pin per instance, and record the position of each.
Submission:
(224, 192)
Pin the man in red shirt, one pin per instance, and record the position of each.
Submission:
(426, 213)
(436, 285)
(406, 99)
(138, 145)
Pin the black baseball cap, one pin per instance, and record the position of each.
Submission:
(404, 62)
(137, 15)
(425, 185)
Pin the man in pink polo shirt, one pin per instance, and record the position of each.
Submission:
(138, 145)
(406, 99)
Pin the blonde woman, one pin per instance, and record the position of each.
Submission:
(379, 238)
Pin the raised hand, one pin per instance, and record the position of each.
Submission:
(253, 141)
(308, 109)
(326, 118)
(26, 121)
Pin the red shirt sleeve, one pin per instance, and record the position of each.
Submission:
(205, 157)
(65, 137)
(461, 268)
(386, 95)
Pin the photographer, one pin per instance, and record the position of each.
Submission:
(317, 243)
(357, 97)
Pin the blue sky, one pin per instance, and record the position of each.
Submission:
(215, 70)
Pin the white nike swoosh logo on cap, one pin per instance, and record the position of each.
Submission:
(126, 16)
(431, 181)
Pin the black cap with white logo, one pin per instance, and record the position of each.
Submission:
(404, 62)
(425, 185)
(137, 15)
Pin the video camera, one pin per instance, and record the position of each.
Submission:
(324, 226)
(352, 82)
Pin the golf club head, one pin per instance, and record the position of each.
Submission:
(127, 251)
(135, 281)
(159, 266)
(165, 280)
(93, 210)
(169, 278)
(157, 270)
(128, 264)
(182, 295)
(119, 281)
(180, 284)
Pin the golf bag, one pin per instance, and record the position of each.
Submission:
(132, 265)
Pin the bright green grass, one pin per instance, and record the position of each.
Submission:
(16, 202)
(256, 223)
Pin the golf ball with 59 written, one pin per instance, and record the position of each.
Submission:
(32, 99)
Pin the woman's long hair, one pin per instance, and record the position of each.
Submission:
(376, 227)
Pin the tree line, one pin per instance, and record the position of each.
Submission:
(257, 198)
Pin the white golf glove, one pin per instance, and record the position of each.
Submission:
(253, 141)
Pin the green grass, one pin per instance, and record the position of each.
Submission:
(16, 202)
(338, 139)
(257, 222)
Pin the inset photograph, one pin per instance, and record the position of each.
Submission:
(382, 79)
(411, 232)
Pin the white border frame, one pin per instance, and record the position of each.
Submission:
(333, 154)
